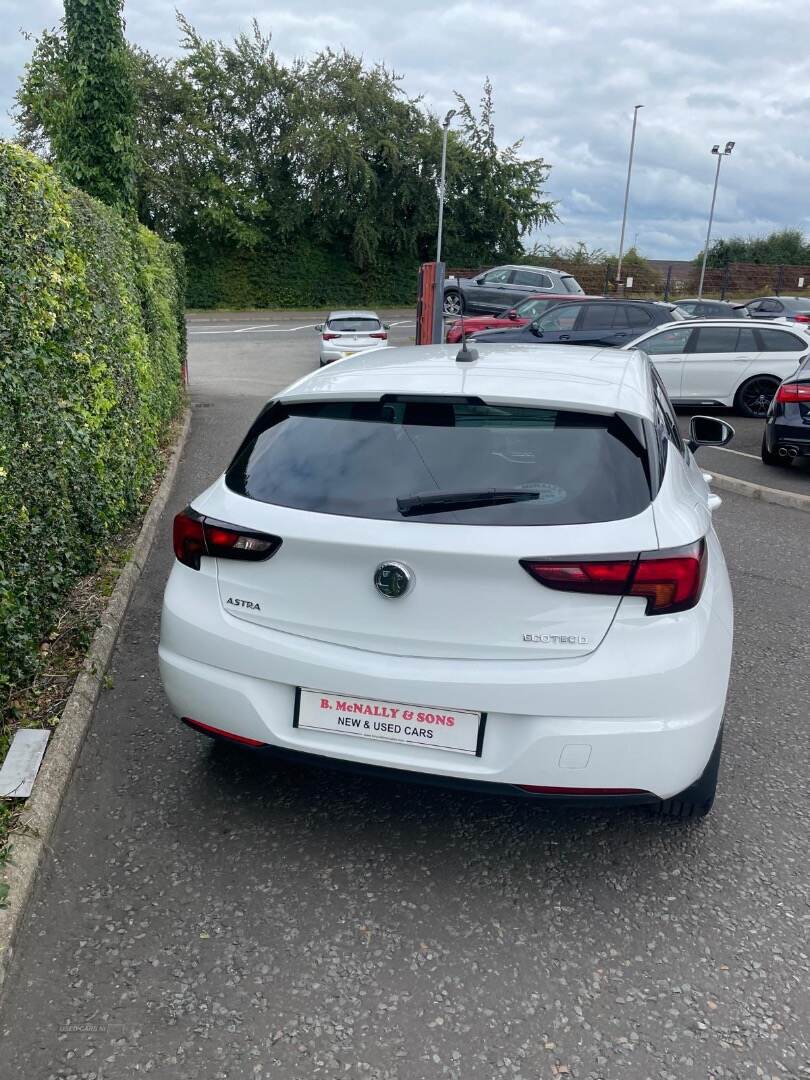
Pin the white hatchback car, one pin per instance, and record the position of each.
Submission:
(734, 362)
(501, 573)
(347, 332)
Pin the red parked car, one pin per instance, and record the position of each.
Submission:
(520, 315)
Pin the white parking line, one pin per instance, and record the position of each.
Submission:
(405, 322)
(739, 453)
(267, 328)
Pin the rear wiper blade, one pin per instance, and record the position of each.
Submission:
(438, 502)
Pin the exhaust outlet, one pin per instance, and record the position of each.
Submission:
(792, 451)
(782, 451)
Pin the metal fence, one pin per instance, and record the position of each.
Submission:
(668, 281)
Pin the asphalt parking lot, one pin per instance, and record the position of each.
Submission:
(205, 915)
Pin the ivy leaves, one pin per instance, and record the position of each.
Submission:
(91, 346)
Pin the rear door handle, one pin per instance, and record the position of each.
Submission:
(564, 337)
(744, 359)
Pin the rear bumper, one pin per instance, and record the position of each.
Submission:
(640, 712)
(329, 354)
(788, 431)
(452, 783)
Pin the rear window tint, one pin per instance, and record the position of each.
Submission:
(357, 325)
(357, 458)
(782, 341)
(532, 279)
(716, 339)
(637, 316)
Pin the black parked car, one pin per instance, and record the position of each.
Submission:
(589, 322)
(504, 286)
(712, 309)
(787, 425)
(796, 308)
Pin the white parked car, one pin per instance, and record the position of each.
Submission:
(724, 361)
(501, 573)
(347, 332)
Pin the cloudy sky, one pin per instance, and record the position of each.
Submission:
(566, 78)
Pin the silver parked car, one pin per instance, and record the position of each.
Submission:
(347, 332)
(504, 286)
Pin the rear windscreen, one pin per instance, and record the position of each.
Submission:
(364, 326)
(358, 458)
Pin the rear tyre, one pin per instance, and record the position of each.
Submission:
(697, 800)
(770, 457)
(755, 395)
(453, 303)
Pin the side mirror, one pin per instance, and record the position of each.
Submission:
(709, 431)
(319, 327)
(479, 280)
(537, 330)
(386, 326)
(511, 314)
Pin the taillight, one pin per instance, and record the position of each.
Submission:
(382, 335)
(195, 535)
(793, 392)
(188, 538)
(801, 318)
(669, 580)
(329, 337)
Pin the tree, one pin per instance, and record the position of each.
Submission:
(578, 255)
(80, 89)
(494, 196)
(786, 246)
(238, 152)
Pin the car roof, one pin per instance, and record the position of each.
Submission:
(792, 299)
(564, 376)
(737, 324)
(529, 266)
(704, 300)
(355, 313)
(550, 296)
(581, 298)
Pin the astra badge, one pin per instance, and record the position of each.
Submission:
(393, 579)
(235, 601)
(556, 639)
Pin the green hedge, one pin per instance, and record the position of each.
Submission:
(92, 341)
(307, 277)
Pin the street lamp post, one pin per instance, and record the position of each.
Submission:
(720, 155)
(627, 192)
(445, 130)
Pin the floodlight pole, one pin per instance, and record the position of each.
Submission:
(445, 130)
(627, 193)
(720, 155)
